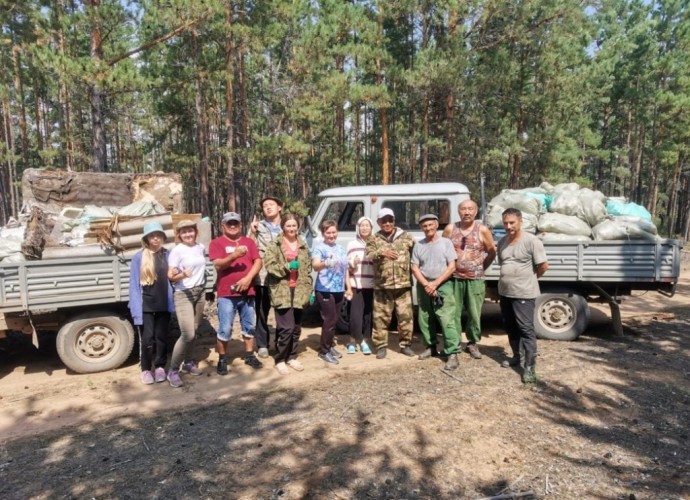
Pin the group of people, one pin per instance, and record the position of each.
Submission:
(272, 267)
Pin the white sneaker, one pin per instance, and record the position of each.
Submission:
(282, 368)
(295, 365)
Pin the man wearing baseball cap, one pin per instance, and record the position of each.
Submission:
(433, 263)
(237, 262)
(264, 232)
(390, 249)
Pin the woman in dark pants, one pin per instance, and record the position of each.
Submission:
(360, 288)
(288, 266)
(330, 260)
(151, 302)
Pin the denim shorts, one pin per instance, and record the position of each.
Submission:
(227, 307)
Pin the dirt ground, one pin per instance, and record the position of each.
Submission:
(608, 419)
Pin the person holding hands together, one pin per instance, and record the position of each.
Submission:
(288, 268)
(187, 271)
(237, 262)
(330, 260)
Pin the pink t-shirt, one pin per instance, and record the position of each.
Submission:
(222, 247)
(289, 256)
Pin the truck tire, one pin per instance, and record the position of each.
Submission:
(95, 341)
(560, 316)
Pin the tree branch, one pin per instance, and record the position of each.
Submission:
(161, 39)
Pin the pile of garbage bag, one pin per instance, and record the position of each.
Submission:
(568, 212)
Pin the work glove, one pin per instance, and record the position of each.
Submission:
(330, 262)
(293, 265)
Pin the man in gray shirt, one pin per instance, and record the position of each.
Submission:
(523, 261)
(433, 263)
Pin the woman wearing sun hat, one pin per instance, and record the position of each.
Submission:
(151, 302)
(187, 270)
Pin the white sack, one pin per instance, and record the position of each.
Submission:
(564, 224)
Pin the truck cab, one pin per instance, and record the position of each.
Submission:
(346, 205)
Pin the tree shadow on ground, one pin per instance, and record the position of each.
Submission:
(260, 445)
(637, 417)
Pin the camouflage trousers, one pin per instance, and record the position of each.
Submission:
(385, 302)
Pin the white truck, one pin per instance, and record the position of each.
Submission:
(579, 272)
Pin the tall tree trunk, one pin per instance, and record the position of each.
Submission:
(201, 120)
(517, 156)
(5, 179)
(340, 115)
(19, 88)
(38, 111)
(385, 175)
(99, 161)
(425, 137)
(358, 143)
(229, 110)
(244, 122)
(638, 151)
(671, 209)
(11, 162)
(63, 107)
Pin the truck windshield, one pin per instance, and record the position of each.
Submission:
(407, 212)
(345, 213)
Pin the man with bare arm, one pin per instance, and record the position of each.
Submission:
(475, 250)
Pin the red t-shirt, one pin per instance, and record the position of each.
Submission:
(223, 246)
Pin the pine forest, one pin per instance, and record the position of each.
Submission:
(290, 97)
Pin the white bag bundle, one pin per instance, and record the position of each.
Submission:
(622, 228)
(513, 199)
(593, 205)
(529, 223)
(11, 240)
(495, 219)
(562, 237)
(567, 203)
(564, 224)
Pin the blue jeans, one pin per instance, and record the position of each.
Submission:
(227, 307)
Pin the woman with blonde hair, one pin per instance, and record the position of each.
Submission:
(187, 270)
(151, 302)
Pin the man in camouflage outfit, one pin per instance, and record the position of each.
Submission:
(390, 250)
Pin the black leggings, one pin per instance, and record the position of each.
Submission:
(330, 304)
(361, 307)
(153, 340)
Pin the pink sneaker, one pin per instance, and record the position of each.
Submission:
(174, 378)
(159, 375)
(191, 368)
(146, 377)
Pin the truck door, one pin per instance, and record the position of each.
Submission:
(346, 213)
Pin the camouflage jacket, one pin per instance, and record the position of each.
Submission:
(263, 238)
(278, 277)
(391, 274)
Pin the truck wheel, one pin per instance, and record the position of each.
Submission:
(95, 341)
(560, 316)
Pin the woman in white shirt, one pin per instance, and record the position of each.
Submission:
(187, 271)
